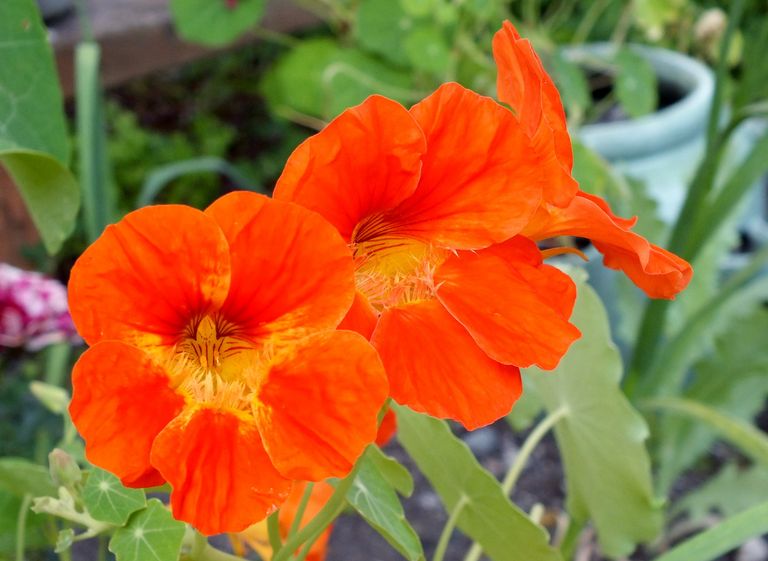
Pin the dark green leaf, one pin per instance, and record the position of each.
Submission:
(108, 500)
(215, 22)
(19, 477)
(601, 438)
(34, 535)
(375, 499)
(151, 535)
(33, 137)
(636, 85)
(488, 517)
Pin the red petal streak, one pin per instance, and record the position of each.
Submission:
(435, 367)
(222, 479)
(364, 162)
(121, 400)
(319, 405)
(515, 310)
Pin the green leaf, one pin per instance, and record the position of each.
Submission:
(215, 22)
(601, 439)
(320, 79)
(750, 440)
(418, 8)
(427, 50)
(636, 85)
(731, 379)
(33, 136)
(393, 471)
(19, 477)
(34, 534)
(488, 517)
(375, 499)
(151, 535)
(731, 491)
(382, 27)
(108, 500)
(724, 537)
(572, 83)
(64, 540)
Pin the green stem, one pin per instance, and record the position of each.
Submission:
(86, 29)
(530, 12)
(571, 539)
(589, 20)
(529, 445)
(619, 35)
(450, 526)
(534, 438)
(102, 554)
(296, 523)
(21, 527)
(210, 553)
(273, 531)
(324, 518)
(56, 360)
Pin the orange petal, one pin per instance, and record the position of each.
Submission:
(481, 179)
(361, 317)
(365, 161)
(523, 83)
(516, 311)
(222, 479)
(145, 276)
(387, 428)
(121, 400)
(319, 405)
(290, 268)
(435, 367)
(658, 272)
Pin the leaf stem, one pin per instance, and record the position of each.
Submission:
(296, 523)
(539, 431)
(450, 526)
(21, 527)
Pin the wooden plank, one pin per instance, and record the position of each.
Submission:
(137, 38)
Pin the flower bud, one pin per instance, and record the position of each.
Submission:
(54, 398)
(64, 469)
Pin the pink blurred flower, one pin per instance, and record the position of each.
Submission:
(33, 310)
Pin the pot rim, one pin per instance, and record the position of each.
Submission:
(673, 125)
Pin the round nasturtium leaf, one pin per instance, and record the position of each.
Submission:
(215, 22)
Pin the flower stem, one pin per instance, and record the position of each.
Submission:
(21, 526)
(296, 524)
(450, 525)
(273, 530)
(319, 523)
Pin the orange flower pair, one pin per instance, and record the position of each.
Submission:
(215, 361)
(214, 364)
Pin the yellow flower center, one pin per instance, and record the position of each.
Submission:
(393, 269)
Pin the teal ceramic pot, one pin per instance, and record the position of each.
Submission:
(662, 149)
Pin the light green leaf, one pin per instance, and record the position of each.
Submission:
(34, 146)
(750, 440)
(724, 537)
(601, 439)
(108, 500)
(151, 535)
(215, 22)
(19, 477)
(731, 491)
(64, 540)
(34, 535)
(427, 50)
(320, 79)
(382, 27)
(525, 411)
(488, 517)
(418, 8)
(572, 83)
(636, 85)
(376, 501)
(392, 470)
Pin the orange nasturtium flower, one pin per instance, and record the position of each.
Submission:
(442, 205)
(523, 83)
(431, 201)
(257, 536)
(214, 362)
